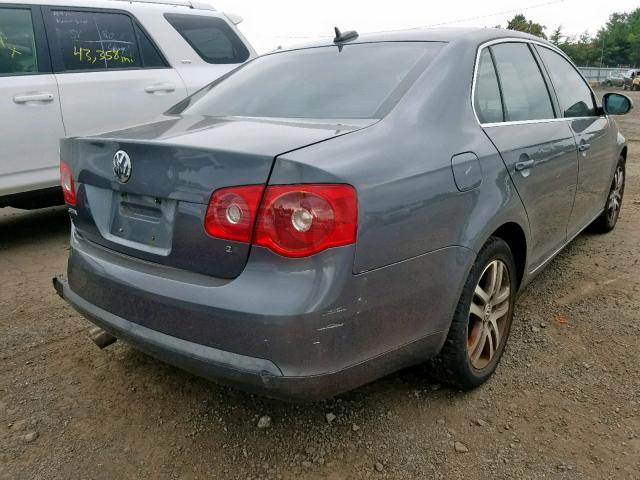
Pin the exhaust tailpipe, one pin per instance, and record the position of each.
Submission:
(101, 338)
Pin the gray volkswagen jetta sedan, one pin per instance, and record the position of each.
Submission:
(325, 215)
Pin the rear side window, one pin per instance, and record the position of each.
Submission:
(17, 42)
(487, 91)
(212, 38)
(95, 40)
(573, 93)
(524, 91)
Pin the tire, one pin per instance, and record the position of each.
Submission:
(455, 364)
(611, 211)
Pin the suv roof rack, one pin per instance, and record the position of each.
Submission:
(180, 3)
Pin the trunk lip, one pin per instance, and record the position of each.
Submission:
(345, 125)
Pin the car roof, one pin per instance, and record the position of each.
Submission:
(184, 6)
(446, 34)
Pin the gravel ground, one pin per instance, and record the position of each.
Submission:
(564, 403)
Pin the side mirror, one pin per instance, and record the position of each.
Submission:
(616, 104)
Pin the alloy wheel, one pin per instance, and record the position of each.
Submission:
(488, 314)
(615, 195)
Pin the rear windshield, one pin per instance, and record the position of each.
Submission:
(353, 81)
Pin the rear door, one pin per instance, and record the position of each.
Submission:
(29, 104)
(108, 69)
(538, 150)
(592, 132)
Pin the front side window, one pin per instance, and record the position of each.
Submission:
(573, 93)
(95, 40)
(524, 91)
(487, 91)
(17, 42)
(212, 38)
(350, 81)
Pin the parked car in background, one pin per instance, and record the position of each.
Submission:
(614, 80)
(78, 67)
(329, 214)
(631, 80)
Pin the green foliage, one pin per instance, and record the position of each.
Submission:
(582, 50)
(617, 43)
(621, 39)
(521, 24)
(556, 36)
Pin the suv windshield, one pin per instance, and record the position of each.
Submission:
(351, 81)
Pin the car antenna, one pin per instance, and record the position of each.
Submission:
(344, 37)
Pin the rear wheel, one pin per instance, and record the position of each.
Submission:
(482, 320)
(609, 216)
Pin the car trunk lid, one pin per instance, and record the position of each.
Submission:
(157, 213)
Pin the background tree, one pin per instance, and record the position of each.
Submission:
(583, 50)
(556, 36)
(617, 43)
(620, 38)
(521, 24)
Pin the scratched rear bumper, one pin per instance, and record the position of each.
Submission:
(315, 328)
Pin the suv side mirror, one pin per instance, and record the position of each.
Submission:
(616, 104)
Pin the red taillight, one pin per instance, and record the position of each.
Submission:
(301, 220)
(293, 220)
(67, 183)
(232, 212)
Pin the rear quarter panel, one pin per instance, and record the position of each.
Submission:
(408, 201)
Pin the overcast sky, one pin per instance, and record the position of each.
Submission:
(268, 24)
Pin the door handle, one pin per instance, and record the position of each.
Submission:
(583, 147)
(160, 87)
(33, 97)
(526, 165)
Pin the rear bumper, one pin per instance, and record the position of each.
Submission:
(247, 373)
(305, 329)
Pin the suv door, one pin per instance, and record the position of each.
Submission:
(537, 149)
(109, 71)
(592, 131)
(31, 118)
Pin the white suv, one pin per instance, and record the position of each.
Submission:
(75, 67)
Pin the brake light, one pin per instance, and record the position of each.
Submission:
(67, 183)
(293, 220)
(301, 220)
(231, 213)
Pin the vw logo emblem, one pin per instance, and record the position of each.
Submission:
(122, 166)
